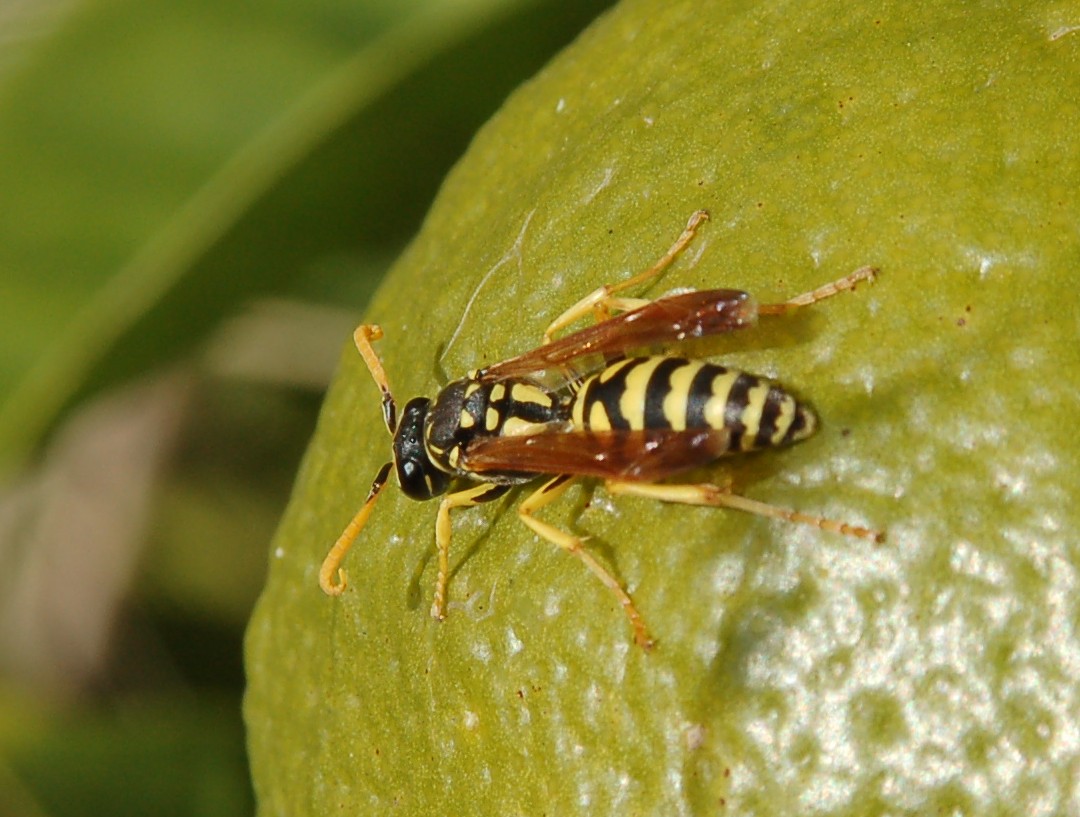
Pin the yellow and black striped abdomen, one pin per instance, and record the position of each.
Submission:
(677, 393)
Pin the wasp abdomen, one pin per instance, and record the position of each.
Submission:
(663, 392)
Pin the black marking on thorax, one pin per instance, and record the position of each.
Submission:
(466, 409)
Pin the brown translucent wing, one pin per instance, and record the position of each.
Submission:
(665, 320)
(645, 456)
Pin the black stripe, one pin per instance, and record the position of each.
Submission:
(797, 424)
(562, 479)
(608, 393)
(494, 491)
(585, 399)
(737, 401)
(770, 413)
(533, 412)
(475, 405)
(657, 389)
(507, 407)
(700, 394)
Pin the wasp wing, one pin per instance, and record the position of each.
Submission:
(665, 320)
(643, 456)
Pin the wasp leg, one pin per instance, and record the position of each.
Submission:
(606, 309)
(485, 492)
(821, 293)
(545, 495)
(600, 302)
(332, 563)
(705, 494)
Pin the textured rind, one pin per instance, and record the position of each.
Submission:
(797, 672)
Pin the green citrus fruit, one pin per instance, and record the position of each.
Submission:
(796, 671)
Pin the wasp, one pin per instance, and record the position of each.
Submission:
(628, 420)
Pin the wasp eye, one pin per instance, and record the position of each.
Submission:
(412, 477)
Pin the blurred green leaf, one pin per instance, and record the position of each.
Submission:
(797, 671)
(206, 550)
(166, 757)
(162, 162)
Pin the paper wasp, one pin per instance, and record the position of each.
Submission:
(630, 421)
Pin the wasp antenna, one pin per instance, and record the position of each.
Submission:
(363, 337)
(332, 563)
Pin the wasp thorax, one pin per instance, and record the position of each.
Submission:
(443, 426)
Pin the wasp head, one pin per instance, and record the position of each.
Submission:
(417, 475)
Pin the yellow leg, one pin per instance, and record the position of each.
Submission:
(600, 302)
(363, 337)
(545, 495)
(332, 563)
(715, 496)
(821, 293)
(485, 492)
(609, 306)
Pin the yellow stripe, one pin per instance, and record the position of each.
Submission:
(516, 427)
(466, 420)
(597, 415)
(598, 419)
(674, 404)
(524, 393)
(498, 392)
(751, 416)
(716, 405)
(632, 400)
(784, 420)
(614, 369)
(491, 419)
